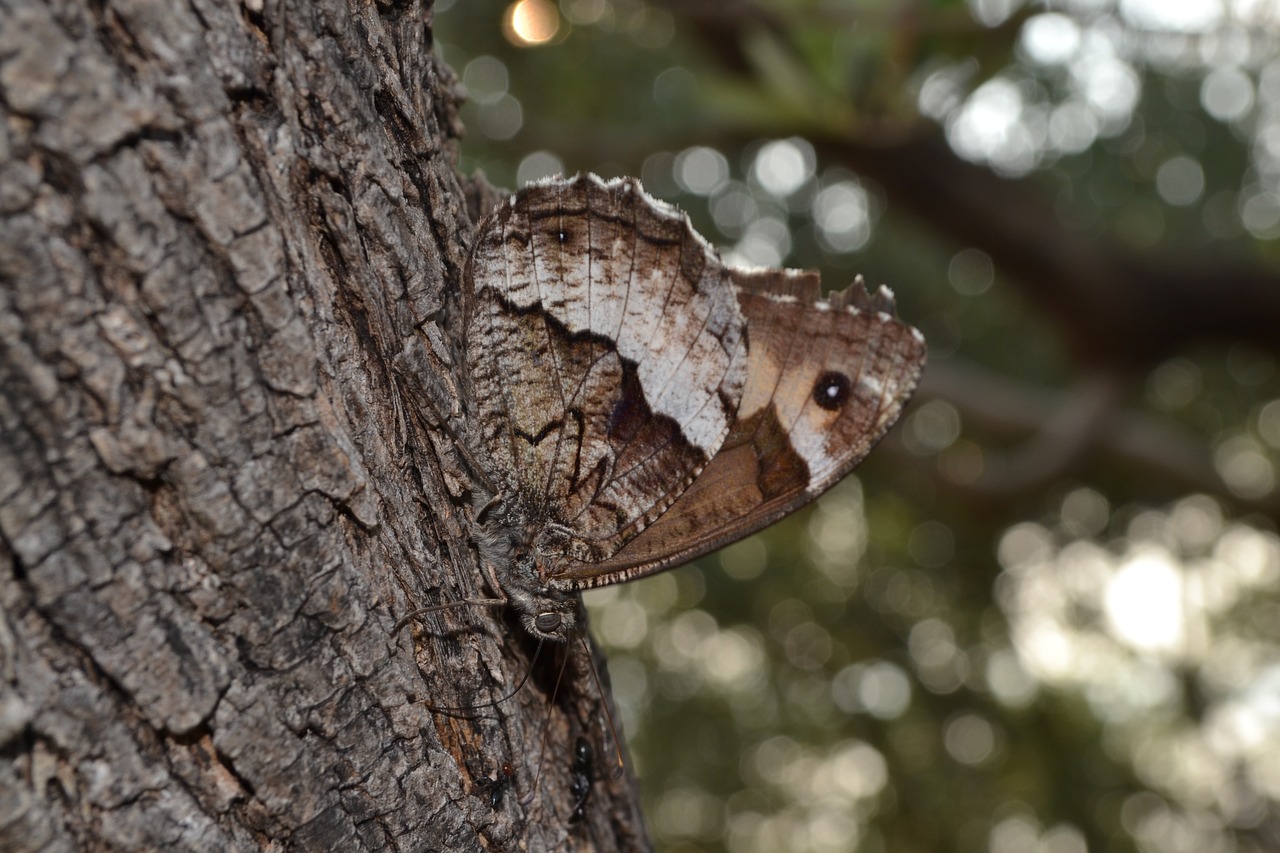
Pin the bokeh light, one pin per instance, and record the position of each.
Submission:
(531, 22)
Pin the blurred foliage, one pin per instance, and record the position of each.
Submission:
(1091, 663)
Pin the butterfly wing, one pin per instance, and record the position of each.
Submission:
(606, 354)
(826, 379)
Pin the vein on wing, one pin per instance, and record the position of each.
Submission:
(891, 357)
(784, 361)
(711, 398)
(631, 205)
(891, 401)
(503, 387)
(671, 375)
(558, 369)
(626, 293)
(634, 230)
(600, 352)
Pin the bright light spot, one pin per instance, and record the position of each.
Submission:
(1269, 423)
(992, 127)
(1013, 835)
(1085, 512)
(1175, 384)
(969, 739)
(661, 593)
(1260, 212)
(485, 79)
(1227, 94)
(843, 216)
(1244, 467)
(1011, 684)
(1180, 180)
(701, 170)
(1050, 39)
(1263, 696)
(962, 462)
(630, 679)
(781, 167)
(1269, 82)
(933, 427)
(733, 208)
(992, 13)
(971, 272)
(1143, 603)
(932, 644)
(1196, 522)
(766, 242)
(1110, 86)
(652, 28)
(732, 659)
(1063, 838)
(585, 12)
(538, 165)
(880, 689)
(1248, 365)
(858, 771)
(1073, 127)
(658, 174)
(829, 831)
(531, 22)
(838, 537)
(944, 90)
(773, 758)
(1253, 554)
(501, 119)
(1145, 686)
(1188, 16)
(885, 691)
(1023, 545)
(1048, 650)
(746, 559)
(624, 624)
(807, 645)
(675, 644)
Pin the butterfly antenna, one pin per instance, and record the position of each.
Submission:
(608, 717)
(546, 725)
(435, 608)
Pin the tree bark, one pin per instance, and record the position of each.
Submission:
(231, 244)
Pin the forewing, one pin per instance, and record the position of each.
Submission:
(606, 352)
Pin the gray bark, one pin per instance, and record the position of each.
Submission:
(231, 241)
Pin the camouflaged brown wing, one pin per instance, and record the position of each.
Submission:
(825, 381)
(606, 354)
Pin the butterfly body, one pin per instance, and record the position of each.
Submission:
(639, 403)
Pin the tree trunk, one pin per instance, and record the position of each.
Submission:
(231, 245)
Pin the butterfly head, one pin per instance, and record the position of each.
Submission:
(545, 613)
(548, 616)
(522, 554)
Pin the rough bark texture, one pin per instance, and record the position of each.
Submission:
(230, 242)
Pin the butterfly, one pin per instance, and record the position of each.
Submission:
(637, 403)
